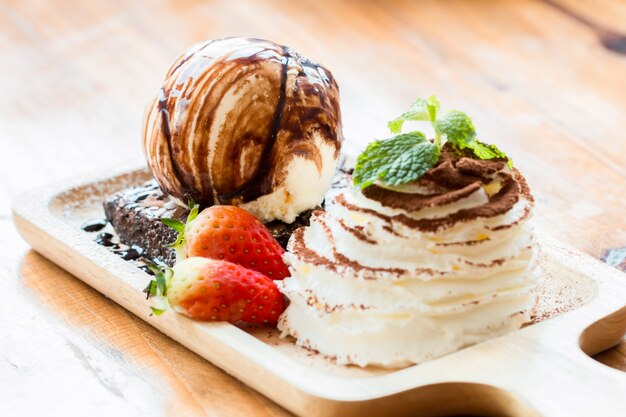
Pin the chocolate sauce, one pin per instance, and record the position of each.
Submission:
(287, 99)
(105, 239)
(260, 183)
(145, 269)
(167, 133)
(132, 253)
(94, 225)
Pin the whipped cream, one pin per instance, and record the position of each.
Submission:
(376, 284)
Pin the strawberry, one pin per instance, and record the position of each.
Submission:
(214, 290)
(232, 234)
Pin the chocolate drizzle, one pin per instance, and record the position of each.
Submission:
(260, 183)
(167, 134)
(231, 116)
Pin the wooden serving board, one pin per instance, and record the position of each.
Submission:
(541, 370)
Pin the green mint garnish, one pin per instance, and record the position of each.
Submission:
(394, 161)
(424, 110)
(457, 127)
(484, 151)
(407, 156)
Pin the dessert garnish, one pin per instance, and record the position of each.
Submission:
(213, 290)
(229, 233)
(405, 157)
(428, 251)
(245, 122)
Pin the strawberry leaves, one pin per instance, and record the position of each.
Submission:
(174, 224)
(179, 226)
(157, 287)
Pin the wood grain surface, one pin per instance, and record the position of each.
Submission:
(543, 79)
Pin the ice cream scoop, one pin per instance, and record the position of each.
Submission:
(245, 122)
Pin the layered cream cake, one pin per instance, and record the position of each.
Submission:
(396, 277)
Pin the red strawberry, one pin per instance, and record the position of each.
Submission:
(212, 290)
(232, 234)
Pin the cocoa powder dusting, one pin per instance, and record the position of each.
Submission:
(341, 263)
(460, 176)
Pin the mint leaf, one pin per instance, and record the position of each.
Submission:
(394, 161)
(432, 105)
(459, 131)
(421, 110)
(484, 151)
(457, 127)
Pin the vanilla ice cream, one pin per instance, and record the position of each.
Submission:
(245, 122)
(396, 277)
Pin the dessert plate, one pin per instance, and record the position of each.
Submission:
(541, 370)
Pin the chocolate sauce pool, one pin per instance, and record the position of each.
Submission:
(94, 225)
(112, 242)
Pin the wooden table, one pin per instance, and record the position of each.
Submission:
(546, 81)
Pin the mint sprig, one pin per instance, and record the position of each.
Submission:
(457, 127)
(394, 161)
(421, 110)
(407, 156)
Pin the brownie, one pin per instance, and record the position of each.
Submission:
(135, 213)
